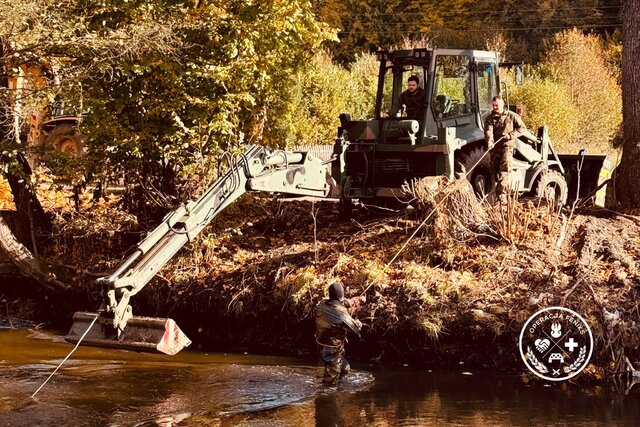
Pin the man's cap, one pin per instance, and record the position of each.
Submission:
(336, 291)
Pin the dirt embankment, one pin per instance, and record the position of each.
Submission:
(452, 296)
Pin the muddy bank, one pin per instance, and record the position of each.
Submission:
(252, 280)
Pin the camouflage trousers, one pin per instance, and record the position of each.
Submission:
(336, 365)
(501, 164)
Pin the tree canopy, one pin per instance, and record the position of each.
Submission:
(161, 84)
(166, 85)
(371, 25)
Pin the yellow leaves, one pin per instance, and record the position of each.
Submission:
(455, 282)
(564, 90)
(6, 199)
(373, 272)
(243, 256)
(298, 285)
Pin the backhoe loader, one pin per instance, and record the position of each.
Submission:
(370, 161)
(377, 156)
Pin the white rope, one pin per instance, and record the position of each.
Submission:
(438, 205)
(375, 280)
(68, 355)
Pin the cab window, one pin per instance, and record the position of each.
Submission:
(487, 87)
(395, 82)
(452, 87)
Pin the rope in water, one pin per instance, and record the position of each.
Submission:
(68, 355)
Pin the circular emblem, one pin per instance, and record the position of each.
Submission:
(556, 343)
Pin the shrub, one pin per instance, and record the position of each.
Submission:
(548, 102)
(322, 91)
(577, 61)
(362, 86)
(574, 91)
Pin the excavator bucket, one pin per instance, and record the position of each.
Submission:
(144, 334)
(584, 175)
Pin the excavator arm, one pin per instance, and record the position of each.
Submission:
(257, 169)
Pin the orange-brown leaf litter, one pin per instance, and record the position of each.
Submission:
(251, 281)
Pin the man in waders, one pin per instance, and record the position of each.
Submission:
(332, 323)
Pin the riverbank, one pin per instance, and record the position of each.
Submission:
(448, 300)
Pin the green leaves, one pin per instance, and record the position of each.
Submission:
(163, 84)
(223, 81)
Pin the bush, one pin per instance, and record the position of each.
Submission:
(362, 86)
(548, 102)
(574, 92)
(322, 91)
(577, 62)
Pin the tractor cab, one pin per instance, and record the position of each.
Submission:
(396, 68)
(458, 84)
(380, 154)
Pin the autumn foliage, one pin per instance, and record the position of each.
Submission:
(574, 92)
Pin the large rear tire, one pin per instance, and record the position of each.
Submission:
(65, 138)
(70, 145)
(477, 169)
(552, 187)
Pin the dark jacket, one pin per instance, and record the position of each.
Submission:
(414, 103)
(332, 323)
(496, 125)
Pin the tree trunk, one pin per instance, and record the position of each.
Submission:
(628, 172)
(32, 223)
(23, 259)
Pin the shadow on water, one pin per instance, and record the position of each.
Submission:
(110, 387)
(419, 398)
(107, 387)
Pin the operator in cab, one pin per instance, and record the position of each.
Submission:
(413, 100)
(502, 127)
(333, 321)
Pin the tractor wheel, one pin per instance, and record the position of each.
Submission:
(480, 177)
(64, 138)
(70, 145)
(552, 187)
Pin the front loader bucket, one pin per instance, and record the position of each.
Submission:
(585, 171)
(146, 334)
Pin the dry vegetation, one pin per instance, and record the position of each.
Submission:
(459, 288)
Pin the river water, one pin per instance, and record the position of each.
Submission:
(101, 387)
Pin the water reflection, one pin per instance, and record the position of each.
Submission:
(427, 399)
(410, 398)
(328, 410)
(109, 387)
(117, 388)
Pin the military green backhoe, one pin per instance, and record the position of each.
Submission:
(377, 156)
(370, 161)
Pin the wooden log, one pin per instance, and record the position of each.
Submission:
(24, 260)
